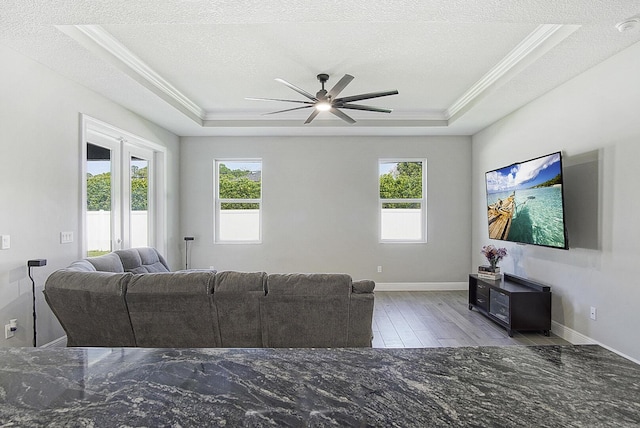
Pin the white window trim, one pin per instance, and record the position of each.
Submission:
(93, 128)
(217, 202)
(423, 203)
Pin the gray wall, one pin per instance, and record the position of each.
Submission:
(595, 112)
(321, 208)
(40, 182)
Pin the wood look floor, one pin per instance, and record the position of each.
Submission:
(427, 319)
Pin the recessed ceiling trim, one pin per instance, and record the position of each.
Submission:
(369, 123)
(96, 37)
(540, 41)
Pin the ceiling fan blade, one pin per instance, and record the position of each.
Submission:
(365, 96)
(342, 115)
(277, 99)
(365, 108)
(289, 109)
(298, 90)
(312, 116)
(342, 83)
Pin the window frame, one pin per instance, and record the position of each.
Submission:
(422, 201)
(217, 201)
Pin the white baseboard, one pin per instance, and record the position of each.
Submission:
(570, 335)
(421, 286)
(60, 342)
(576, 338)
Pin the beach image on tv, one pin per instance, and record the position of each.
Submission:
(525, 202)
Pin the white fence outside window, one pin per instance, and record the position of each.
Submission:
(99, 230)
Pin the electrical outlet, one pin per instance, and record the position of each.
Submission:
(7, 331)
(379, 269)
(593, 314)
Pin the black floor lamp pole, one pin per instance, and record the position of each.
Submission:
(186, 250)
(30, 264)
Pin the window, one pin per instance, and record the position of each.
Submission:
(402, 184)
(123, 193)
(238, 201)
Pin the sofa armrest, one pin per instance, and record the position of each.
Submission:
(363, 286)
(361, 313)
(91, 307)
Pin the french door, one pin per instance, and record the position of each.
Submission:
(121, 208)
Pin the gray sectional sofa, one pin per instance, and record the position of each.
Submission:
(131, 298)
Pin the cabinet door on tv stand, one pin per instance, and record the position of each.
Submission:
(531, 312)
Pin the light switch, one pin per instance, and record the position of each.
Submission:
(66, 237)
(6, 242)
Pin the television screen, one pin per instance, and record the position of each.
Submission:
(525, 202)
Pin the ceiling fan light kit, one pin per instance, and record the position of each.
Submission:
(328, 101)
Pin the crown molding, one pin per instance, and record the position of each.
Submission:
(537, 43)
(102, 42)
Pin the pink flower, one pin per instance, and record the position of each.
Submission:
(493, 254)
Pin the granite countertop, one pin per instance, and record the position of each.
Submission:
(553, 386)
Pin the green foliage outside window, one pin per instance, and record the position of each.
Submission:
(239, 184)
(99, 190)
(404, 182)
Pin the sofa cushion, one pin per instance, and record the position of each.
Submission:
(106, 263)
(82, 266)
(238, 282)
(237, 296)
(306, 310)
(142, 260)
(173, 310)
(314, 284)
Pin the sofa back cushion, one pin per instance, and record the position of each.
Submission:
(106, 263)
(315, 284)
(91, 306)
(306, 310)
(237, 296)
(142, 260)
(173, 310)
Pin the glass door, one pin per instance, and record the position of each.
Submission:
(139, 198)
(120, 194)
(102, 221)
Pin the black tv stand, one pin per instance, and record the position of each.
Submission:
(513, 302)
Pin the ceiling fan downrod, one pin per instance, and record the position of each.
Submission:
(322, 77)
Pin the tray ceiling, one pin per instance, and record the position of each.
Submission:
(188, 65)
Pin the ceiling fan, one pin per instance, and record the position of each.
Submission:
(327, 101)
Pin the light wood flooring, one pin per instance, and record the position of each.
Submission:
(426, 319)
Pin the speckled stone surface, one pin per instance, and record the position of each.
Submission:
(568, 386)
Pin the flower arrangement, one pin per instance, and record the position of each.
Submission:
(493, 254)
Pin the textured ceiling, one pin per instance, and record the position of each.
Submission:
(458, 65)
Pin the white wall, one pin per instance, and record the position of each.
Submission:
(40, 182)
(598, 110)
(320, 202)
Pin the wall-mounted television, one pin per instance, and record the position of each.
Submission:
(525, 202)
